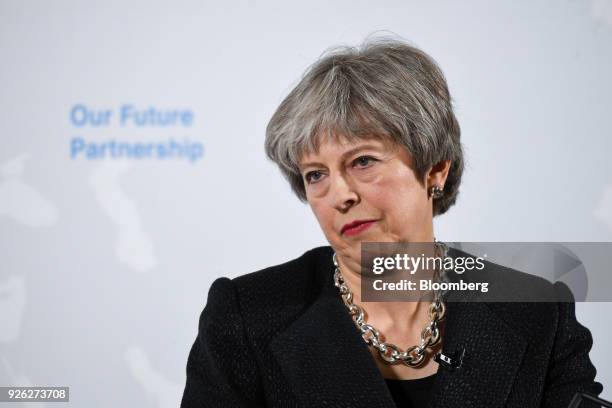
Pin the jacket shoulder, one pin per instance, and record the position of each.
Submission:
(511, 285)
(280, 278)
(528, 303)
(274, 296)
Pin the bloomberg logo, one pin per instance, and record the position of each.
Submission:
(127, 117)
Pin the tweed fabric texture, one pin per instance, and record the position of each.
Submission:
(281, 337)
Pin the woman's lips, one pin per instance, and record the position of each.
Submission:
(358, 228)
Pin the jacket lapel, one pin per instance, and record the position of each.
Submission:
(327, 363)
(492, 354)
(492, 350)
(325, 360)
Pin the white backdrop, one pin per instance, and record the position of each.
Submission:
(105, 263)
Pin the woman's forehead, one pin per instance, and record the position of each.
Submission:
(342, 144)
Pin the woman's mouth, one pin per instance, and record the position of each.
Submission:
(356, 227)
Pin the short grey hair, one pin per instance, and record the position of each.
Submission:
(384, 88)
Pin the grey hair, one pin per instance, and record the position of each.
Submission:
(384, 88)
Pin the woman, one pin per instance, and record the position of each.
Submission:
(369, 140)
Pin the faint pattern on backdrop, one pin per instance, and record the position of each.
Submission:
(112, 231)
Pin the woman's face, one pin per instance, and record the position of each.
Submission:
(368, 191)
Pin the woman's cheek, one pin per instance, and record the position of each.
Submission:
(326, 221)
(383, 190)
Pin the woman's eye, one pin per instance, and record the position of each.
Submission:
(363, 161)
(313, 176)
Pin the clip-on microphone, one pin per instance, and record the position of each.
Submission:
(451, 362)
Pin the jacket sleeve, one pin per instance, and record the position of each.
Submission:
(221, 371)
(570, 369)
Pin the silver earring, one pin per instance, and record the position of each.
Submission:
(436, 192)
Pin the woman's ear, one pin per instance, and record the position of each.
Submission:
(438, 173)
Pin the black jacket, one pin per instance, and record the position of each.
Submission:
(282, 337)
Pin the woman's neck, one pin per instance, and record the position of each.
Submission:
(407, 314)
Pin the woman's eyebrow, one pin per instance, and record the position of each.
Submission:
(358, 149)
(343, 156)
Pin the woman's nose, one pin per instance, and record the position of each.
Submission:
(343, 194)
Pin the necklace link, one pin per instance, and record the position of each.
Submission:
(389, 352)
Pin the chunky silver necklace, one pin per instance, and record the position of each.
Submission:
(389, 352)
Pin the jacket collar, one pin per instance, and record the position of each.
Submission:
(327, 362)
